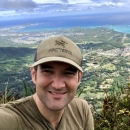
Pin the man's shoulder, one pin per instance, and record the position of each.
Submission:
(15, 103)
(10, 112)
(78, 111)
(11, 109)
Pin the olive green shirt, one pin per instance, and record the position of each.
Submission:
(23, 114)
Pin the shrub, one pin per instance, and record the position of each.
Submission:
(115, 113)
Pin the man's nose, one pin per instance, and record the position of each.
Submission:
(58, 81)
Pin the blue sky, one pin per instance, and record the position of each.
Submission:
(37, 8)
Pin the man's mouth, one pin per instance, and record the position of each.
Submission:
(57, 93)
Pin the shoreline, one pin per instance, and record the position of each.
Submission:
(38, 28)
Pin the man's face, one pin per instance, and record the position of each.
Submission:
(56, 84)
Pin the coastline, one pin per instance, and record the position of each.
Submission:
(39, 27)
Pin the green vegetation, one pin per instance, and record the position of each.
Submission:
(14, 65)
(112, 112)
(115, 112)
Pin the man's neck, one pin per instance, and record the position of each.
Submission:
(53, 117)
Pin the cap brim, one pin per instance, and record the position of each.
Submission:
(61, 59)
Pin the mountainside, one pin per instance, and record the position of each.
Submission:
(14, 65)
(15, 51)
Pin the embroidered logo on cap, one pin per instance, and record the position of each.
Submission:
(62, 43)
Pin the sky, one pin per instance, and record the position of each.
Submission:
(37, 8)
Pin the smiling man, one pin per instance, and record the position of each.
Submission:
(57, 73)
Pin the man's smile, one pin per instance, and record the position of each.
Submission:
(57, 93)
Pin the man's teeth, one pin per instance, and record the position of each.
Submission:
(55, 93)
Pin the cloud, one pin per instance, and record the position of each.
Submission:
(120, 1)
(60, 7)
(65, 1)
(111, 1)
(17, 4)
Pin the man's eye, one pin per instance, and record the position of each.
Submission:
(47, 71)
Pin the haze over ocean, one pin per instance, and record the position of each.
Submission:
(66, 22)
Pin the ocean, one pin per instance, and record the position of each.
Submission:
(65, 22)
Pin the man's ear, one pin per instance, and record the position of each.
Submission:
(33, 74)
(80, 76)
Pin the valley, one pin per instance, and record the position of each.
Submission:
(106, 59)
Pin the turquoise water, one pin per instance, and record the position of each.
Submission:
(40, 27)
(121, 28)
(62, 22)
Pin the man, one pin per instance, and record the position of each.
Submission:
(57, 73)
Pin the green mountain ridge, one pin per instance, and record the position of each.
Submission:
(16, 51)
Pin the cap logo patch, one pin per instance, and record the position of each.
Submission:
(62, 43)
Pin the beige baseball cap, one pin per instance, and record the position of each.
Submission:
(58, 48)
